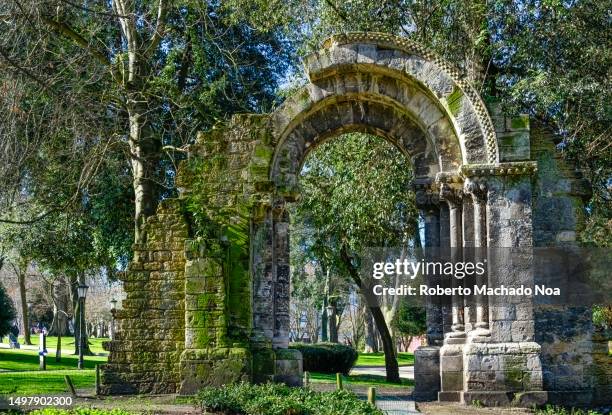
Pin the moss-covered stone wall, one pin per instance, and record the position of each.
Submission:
(150, 336)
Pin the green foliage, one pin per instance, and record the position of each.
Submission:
(80, 411)
(327, 357)
(7, 312)
(602, 316)
(354, 195)
(410, 319)
(275, 399)
(559, 410)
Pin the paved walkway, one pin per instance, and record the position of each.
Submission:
(396, 405)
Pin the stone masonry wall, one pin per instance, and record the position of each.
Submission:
(145, 354)
(575, 370)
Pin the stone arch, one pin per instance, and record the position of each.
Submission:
(379, 81)
(219, 301)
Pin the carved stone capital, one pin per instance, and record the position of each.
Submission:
(426, 194)
(477, 188)
(451, 194)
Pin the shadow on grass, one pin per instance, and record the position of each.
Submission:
(23, 360)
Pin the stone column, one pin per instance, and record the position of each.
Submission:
(478, 192)
(451, 353)
(453, 197)
(287, 362)
(504, 366)
(427, 358)
(280, 270)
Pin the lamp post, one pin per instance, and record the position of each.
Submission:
(82, 292)
(113, 310)
(27, 330)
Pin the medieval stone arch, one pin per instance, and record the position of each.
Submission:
(208, 292)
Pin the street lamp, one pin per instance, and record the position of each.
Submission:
(27, 330)
(113, 310)
(82, 292)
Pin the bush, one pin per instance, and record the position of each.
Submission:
(559, 410)
(7, 312)
(80, 411)
(275, 399)
(327, 357)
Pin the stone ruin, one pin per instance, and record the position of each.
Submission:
(208, 295)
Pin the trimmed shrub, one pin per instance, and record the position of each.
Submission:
(327, 357)
(276, 399)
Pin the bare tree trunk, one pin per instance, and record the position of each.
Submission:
(371, 345)
(59, 326)
(144, 152)
(332, 320)
(21, 272)
(391, 366)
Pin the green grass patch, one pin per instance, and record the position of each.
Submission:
(44, 383)
(378, 359)
(95, 344)
(367, 380)
(20, 360)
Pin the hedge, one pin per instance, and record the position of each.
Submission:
(327, 357)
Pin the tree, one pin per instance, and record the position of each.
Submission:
(7, 312)
(410, 321)
(138, 77)
(354, 194)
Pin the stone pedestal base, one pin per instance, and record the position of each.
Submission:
(288, 367)
(426, 373)
(503, 374)
(451, 372)
(215, 367)
(522, 399)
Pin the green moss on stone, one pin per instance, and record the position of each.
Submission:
(454, 100)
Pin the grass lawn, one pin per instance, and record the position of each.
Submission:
(95, 344)
(369, 380)
(19, 360)
(44, 383)
(378, 359)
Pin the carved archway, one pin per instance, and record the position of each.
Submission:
(215, 288)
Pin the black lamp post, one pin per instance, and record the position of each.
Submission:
(82, 291)
(27, 330)
(113, 309)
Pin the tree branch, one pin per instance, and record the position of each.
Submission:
(65, 30)
(160, 25)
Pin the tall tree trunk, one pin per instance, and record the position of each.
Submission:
(59, 326)
(21, 271)
(332, 320)
(388, 345)
(371, 345)
(144, 154)
(324, 325)
(391, 366)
